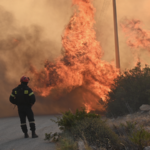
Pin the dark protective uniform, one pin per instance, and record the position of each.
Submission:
(24, 98)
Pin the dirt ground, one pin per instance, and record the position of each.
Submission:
(12, 138)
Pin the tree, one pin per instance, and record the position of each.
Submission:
(130, 90)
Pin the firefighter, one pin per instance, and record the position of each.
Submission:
(24, 98)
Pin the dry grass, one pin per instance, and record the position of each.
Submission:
(141, 118)
(133, 129)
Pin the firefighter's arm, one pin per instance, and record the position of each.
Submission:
(12, 98)
(32, 97)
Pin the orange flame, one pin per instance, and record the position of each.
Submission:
(81, 64)
(137, 37)
(88, 107)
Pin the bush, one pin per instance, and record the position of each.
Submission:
(124, 131)
(124, 128)
(52, 136)
(130, 90)
(96, 133)
(132, 136)
(141, 138)
(68, 119)
(86, 126)
(67, 143)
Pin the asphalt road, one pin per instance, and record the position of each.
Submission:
(12, 138)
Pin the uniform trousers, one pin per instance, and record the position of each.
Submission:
(26, 111)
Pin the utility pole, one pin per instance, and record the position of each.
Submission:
(116, 35)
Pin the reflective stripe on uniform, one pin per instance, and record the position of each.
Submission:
(12, 95)
(23, 124)
(15, 92)
(31, 93)
(32, 122)
(25, 91)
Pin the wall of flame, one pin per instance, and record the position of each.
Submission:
(31, 33)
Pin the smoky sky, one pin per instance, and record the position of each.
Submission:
(126, 9)
(19, 47)
(31, 31)
(23, 44)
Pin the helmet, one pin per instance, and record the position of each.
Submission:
(24, 79)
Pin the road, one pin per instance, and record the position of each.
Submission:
(12, 138)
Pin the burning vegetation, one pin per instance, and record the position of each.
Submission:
(80, 65)
(79, 77)
(137, 37)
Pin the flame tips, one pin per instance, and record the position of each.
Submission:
(80, 65)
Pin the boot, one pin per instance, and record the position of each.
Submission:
(26, 135)
(34, 134)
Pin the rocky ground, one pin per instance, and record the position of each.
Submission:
(12, 138)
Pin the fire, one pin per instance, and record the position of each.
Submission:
(81, 64)
(137, 37)
(88, 107)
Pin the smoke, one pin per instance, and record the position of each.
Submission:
(19, 47)
(135, 9)
(31, 33)
(70, 101)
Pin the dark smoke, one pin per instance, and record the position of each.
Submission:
(69, 101)
(19, 47)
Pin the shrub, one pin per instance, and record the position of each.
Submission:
(124, 131)
(52, 136)
(132, 136)
(130, 90)
(67, 144)
(141, 138)
(96, 132)
(124, 128)
(68, 119)
(128, 127)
